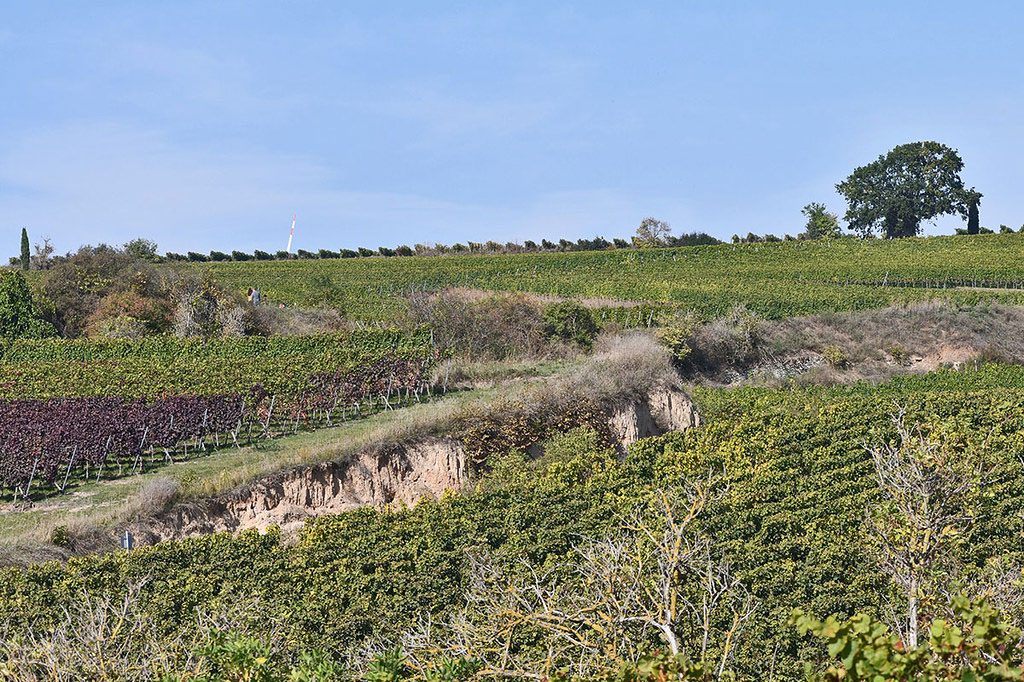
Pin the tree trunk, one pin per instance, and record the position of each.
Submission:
(973, 221)
(909, 226)
(891, 225)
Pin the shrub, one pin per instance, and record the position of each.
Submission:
(326, 253)
(197, 257)
(729, 341)
(240, 256)
(499, 327)
(676, 333)
(18, 318)
(61, 536)
(899, 354)
(203, 309)
(262, 255)
(974, 643)
(570, 321)
(218, 256)
(835, 356)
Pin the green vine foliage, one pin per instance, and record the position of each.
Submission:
(791, 524)
(775, 280)
(151, 367)
(974, 644)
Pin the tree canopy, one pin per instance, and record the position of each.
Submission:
(651, 232)
(912, 183)
(17, 314)
(821, 223)
(143, 249)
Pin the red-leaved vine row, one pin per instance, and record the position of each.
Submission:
(44, 442)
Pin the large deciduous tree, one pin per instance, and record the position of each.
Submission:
(912, 183)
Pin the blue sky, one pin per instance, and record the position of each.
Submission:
(205, 125)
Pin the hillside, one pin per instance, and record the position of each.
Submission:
(774, 279)
(511, 342)
(516, 487)
(794, 480)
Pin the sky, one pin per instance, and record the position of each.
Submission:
(206, 125)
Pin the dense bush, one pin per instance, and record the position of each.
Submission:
(570, 321)
(497, 327)
(120, 293)
(18, 316)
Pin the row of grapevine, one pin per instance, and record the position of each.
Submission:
(43, 442)
(161, 366)
(777, 279)
(790, 522)
(44, 439)
(358, 343)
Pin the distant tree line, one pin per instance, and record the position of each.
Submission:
(661, 239)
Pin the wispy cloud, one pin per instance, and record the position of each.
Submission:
(100, 181)
(445, 113)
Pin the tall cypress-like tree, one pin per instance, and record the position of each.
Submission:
(973, 222)
(26, 256)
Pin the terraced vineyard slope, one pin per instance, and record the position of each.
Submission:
(790, 520)
(70, 407)
(775, 279)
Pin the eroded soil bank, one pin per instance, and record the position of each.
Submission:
(396, 473)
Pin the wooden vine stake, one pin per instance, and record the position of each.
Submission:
(67, 473)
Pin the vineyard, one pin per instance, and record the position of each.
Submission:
(775, 279)
(166, 365)
(82, 407)
(798, 482)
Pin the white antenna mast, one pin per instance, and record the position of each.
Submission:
(291, 234)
